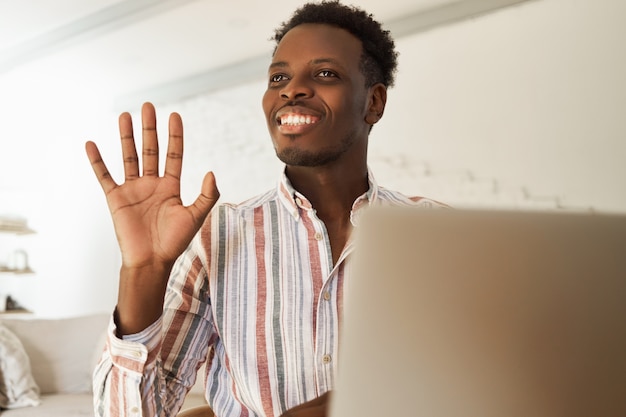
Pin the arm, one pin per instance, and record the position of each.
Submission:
(317, 407)
(152, 228)
(144, 371)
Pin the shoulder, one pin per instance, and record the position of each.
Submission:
(227, 220)
(231, 211)
(391, 197)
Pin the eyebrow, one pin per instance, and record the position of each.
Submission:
(284, 64)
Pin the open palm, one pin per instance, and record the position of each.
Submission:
(151, 223)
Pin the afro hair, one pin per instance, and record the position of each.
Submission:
(379, 60)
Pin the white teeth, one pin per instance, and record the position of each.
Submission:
(295, 119)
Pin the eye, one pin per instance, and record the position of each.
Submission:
(326, 74)
(276, 78)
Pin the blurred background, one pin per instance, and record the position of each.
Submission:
(498, 104)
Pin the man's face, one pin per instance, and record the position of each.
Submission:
(316, 101)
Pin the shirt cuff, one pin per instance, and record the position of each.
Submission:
(135, 352)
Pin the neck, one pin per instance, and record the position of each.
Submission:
(330, 190)
(332, 193)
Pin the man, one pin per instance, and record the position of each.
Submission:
(254, 289)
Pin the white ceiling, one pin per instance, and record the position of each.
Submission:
(167, 49)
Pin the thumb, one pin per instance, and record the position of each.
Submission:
(209, 195)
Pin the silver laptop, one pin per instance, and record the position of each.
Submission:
(484, 314)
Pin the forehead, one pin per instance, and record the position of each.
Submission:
(314, 41)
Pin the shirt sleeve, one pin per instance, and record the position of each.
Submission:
(124, 365)
(149, 373)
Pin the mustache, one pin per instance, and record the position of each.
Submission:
(298, 104)
(294, 103)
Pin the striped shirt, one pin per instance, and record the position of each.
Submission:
(256, 295)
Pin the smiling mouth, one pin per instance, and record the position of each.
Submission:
(294, 119)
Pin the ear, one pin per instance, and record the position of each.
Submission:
(376, 103)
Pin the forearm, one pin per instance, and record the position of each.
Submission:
(140, 298)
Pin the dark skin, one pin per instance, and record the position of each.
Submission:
(315, 71)
(314, 74)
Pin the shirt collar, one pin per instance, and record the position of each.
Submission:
(294, 201)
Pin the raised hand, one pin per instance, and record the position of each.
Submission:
(152, 225)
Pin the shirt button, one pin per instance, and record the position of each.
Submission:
(318, 236)
(134, 410)
(299, 202)
(137, 354)
(326, 295)
(326, 359)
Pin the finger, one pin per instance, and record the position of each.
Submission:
(174, 160)
(150, 148)
(99, 167)
(129, 150)
(206, 200)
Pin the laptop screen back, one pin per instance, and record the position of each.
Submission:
(483, 313)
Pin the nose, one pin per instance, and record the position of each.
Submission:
(296, 88)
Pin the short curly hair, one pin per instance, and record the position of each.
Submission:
(379, 60)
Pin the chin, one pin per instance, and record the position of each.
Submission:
(301, 158)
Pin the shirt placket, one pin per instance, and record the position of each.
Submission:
(326, 311)
(327, 326)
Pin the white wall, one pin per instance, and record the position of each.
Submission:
(533, 96)
(520, 108)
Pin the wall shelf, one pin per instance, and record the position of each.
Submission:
(16, 231)
(16, 226)
(16, 312)
(14, 271)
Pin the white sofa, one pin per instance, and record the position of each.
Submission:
(47, 366)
